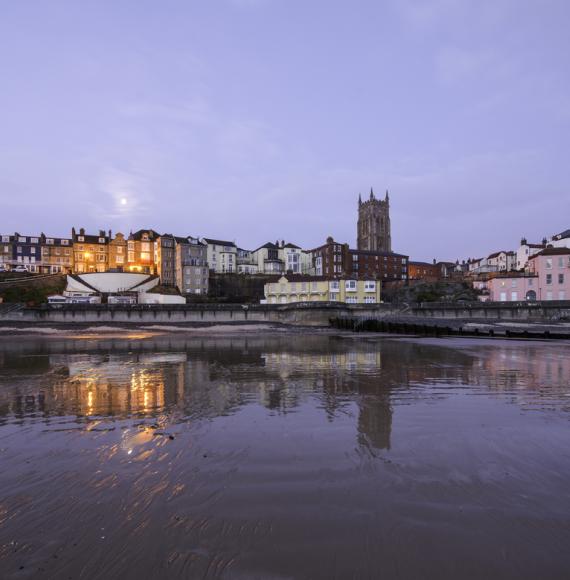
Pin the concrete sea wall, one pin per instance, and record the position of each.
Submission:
(302, 314)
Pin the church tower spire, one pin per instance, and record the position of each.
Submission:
(373, 231)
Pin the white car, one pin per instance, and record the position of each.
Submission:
(19, 269)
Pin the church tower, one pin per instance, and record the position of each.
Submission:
(374, 224)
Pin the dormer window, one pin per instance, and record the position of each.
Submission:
(49, 241)
(101, 240)
(80, 239)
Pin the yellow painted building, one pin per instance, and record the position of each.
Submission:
(118, 253)
(291, 289)
(140, 252)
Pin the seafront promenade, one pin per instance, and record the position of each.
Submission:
(501, 318)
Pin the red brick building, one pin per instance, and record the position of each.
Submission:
(335, 260)
(424, 271)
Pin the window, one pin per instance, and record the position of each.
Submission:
(145, 247)
(22, 239)
(49, 241)
(503, 297)
(549, 278)
(561, 295)
(351, 300)
(549, 295)
(369, 300)
(334, 286)
(560, 278)
(65, 242)
(514, 296)
(513, 283)
(5, 238)
(530, 281)
(34, 240)
(350, 286)
(549, 263)
(370, 286)
(80, 239)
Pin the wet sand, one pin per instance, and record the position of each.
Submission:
(279, 455)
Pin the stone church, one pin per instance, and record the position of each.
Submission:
(374, 224)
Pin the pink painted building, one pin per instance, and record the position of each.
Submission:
(552, 266)
(547, 278)
(517, 287)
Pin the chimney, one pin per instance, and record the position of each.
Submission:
(81, 231)
(110, 234)
(101, 233)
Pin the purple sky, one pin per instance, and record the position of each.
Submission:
(258, 120)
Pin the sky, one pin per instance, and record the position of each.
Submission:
(258, 120)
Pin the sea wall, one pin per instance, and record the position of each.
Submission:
(303, 314)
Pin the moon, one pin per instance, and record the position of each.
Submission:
(123, 201)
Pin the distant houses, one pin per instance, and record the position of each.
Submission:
(188, 264)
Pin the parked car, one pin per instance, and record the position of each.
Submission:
(19, 269)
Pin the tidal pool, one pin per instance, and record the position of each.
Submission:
(284, 456)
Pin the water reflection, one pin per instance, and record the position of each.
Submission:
(284, 456)
(206, 378)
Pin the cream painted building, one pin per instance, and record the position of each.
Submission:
(291, 289)
(221, 256)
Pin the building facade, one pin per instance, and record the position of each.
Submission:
(547, 278)
(221, 256)
(117, 252)
(424, 271)
(57, 255)
(90, 252)
(525, 251)
(552, 267)
(191, 270)
(297, 288)
(246, 262)
(165, 259)
(140, 251)
(6, 251)
(373, 230)
(335, 260)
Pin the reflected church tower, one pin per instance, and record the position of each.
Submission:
(374, 224)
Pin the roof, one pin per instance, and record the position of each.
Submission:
(90, 238)
(423, 264)
(495, 254)
(188, 240)
(290, 245)
(137, 236)
(562, 235)
(269, 246)
(552, 252)
(304, 278)
(219, 242)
